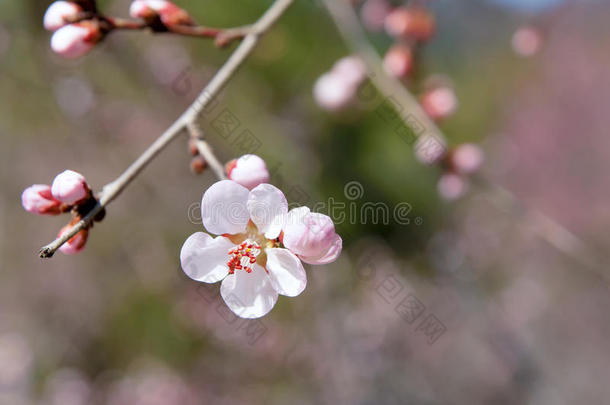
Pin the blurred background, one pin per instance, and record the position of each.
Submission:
(463, 303)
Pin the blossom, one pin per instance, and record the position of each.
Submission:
(398, 61)
(440, 102)
(168, 12)
(526, 41)
(412, 22)
(74, 40)
(467, 158)
(373, 14)
(38, 199)
(60, 13)
(248, 170)
(337, 88)
(70, 187)
(452, 186)
(76, 243)
(248, 256)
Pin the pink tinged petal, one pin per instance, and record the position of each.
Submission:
(224, 208)
(328, 256)
(311, 236)
(249, 171)
(76, 243)
(332, 92)
(70, 187)
(467, 158)
(73, 40)
(452, 186)
(268, 208)
(59, 13)
(204, 258)
(352, 69)
(249, 295)
(286, 272)
(38, 199)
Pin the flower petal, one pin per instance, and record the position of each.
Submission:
(268, 208)
(286, 272)
(204, 258)
(223, 208)
(329, 255)
(249, 295)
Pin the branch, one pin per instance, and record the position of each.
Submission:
(205, 150)
(189, 117)
(348, 24)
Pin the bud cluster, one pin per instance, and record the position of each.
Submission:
(69, 192)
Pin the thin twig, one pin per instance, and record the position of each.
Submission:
(112, 190)
(206, 151)
(348, 24)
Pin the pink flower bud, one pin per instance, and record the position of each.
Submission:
(412, 22)
(70, 187)
(38, 199)
(398, 61)
(452, 186)
(351, 69)
(60, 13)
(526, 41)
(169, 13)
(439, 103)
(74, 40)
(332, 92)
(373, 14)
(311, 236)
(467, 158)
(248, 170)
(76, 243)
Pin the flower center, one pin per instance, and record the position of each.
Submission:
(243, 256)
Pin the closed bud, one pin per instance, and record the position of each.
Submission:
(74, 40)
(60, 13)
(467, 158)
(398, 61)
(70, 187)
(452, 186)
(168, 12)
(192, 147)
(412, 22)
(198, 164)
(373, 14)
(333, 92)
(76, 243)
(38, 199)
(248, 170)
(439, 103)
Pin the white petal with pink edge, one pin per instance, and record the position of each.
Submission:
(204, 258)
(268, 207)
(249, 295)
(286, 272)
(224, 208)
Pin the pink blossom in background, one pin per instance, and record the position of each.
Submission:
(526, 41)
(439, 103)
(38, 199)
(169, 13)
(248, 257)
(74, 40)
(248, 170)
(337, 89)
(373, 14)
(70, 187)
(452, 186)
(59, 14)
(467, 158)
(398, 61)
